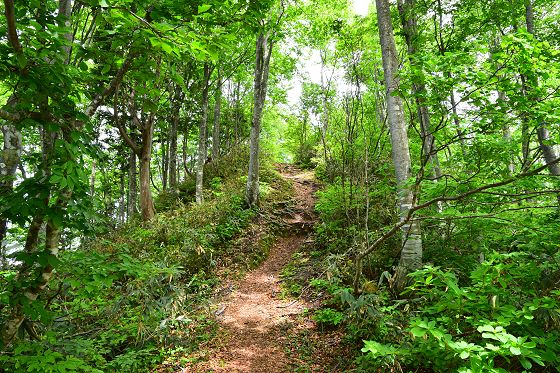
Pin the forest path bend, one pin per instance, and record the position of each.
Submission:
(253, 318)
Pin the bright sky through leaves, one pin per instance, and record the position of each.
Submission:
(361, 7)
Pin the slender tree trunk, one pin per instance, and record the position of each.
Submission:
(122, 199)
(411, 252)
(506, 133)
(132, 186)
(144, 153)
(184, 155)
(164, 162)
(262, 63)
(92, 179)
(55, 208)
(217, 112)
(525, 130)
(146, 200)
(237, 120)
(202, 153)
(9, 160)
(325, 114)
(549, 154)
(409, 23)
(175, 107)
(17, 316)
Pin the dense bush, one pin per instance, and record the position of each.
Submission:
(502, 320)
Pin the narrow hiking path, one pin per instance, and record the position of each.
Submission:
(254, 320)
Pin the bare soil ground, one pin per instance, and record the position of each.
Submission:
(255, 321)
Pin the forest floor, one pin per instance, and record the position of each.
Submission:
(257, 324)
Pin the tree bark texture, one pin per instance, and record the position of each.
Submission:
(549, 154)
(146, 200)
(411, 252)
(410, 28)
(202, 153)
(132, 186)
(175, 108)
(262, 63)
(216, 132)
(9, 160)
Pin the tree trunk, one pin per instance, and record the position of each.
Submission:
(144, 153)
(411, 252)
(409, 23)
(237, 120)
(325, 114)
(549, 154)
(506, 133)
(146, 200)
(9, 160)
(132, 186)
(164, 161)
(175, 107)
(54, 208)
(217, 114)
(502, 104)
(262, 63)
(184, 155)
(202, 153)
(122, 206)
(92, 179)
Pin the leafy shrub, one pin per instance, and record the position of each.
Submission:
(500, 322)
(342, 209)
(103, 307)
(327, 317)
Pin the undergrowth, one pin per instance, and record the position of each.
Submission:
(487, 301)
(142, 296)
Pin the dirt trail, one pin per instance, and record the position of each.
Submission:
(253, 317)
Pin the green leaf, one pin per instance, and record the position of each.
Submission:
(418, 332)
(515, 350)
(204, 8)
(56, 220)
(526, 363)
(485, 328)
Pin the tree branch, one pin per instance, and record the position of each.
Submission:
(127, 139)
(11, 117)
(13, 38)
(431, 202)
(120, 127)
(110, 89)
